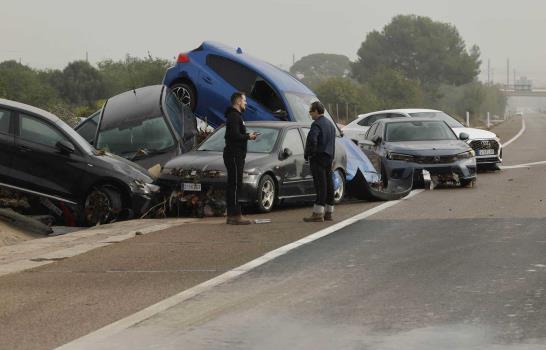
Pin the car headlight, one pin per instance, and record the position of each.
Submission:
(141, 187)
(400, 156)
(466, 155)
(214, 173)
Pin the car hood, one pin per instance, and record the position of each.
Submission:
(475, 134)
(428, 148)
(207, 160)
(124, 166)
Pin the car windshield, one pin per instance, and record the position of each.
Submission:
(418, 131)
(150, 135)
(452, 122)
(300, 103)
(264, 143)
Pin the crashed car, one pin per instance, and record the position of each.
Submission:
(205, 78)
(275, 170)
(393, 145)
(41, 155)
(148, 126)
(485, 143)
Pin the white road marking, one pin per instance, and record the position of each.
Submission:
(525, 165)
(522, 130)
(87, 341)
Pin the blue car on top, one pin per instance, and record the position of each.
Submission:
(205, 78)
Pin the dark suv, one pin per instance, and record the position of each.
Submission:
(41, 155)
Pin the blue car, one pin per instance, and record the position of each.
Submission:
(205, 78)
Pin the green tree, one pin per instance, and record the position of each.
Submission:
(315, 68)
(80, 83)
(394, 90)
(423, 50)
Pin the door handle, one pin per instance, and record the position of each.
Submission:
(207, 79)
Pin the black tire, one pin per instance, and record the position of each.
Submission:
(102, 205)
(185, 93)
(340, 194)
(267, 194)
(468, 183)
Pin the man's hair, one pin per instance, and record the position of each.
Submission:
(236, 95)
(317, 107)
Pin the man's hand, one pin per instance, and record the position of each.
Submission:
(252, 136)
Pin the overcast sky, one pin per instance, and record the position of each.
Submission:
(49, 34)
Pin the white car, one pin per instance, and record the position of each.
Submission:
(485, 143)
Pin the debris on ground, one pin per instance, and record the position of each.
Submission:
(28, 223)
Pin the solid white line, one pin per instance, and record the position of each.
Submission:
(526, 165)
(522, 130)
(87, 341)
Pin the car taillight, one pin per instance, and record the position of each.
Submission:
(183, 58)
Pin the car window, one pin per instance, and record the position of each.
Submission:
(264, 94)
(452, 122)
(372, 119)
(34, 130)
(5, 116)
(239, 76)
(371, 131)
(89, 127)
(395, 115)
(263, 144)
(151, 134)
(418, 131)
(292, 141)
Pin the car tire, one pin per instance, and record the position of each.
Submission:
(340, 193)
(186, 94)
(267, 194)
(468, 183)
(102, 205)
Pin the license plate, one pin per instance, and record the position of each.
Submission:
(486, 152)
(188, 186)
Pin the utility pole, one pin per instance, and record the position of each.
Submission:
(293, 58)
(488, 71)
(507, 73)
(86, 56)
(514, 81)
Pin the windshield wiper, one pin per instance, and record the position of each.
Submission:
(144, 152)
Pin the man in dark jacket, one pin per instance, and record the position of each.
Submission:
(234, 157)
(320, 150)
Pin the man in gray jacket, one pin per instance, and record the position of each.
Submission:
(320, 150)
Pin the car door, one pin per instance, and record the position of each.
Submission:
(39, 165)
(264, 103)
(306, 171)
(6, 145)
(88, 128)
(372, 150)
(218, 83)
(293, 184)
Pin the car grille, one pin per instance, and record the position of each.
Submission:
(484, 144)
(435, 159)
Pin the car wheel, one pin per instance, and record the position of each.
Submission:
(468, 183)
(339, 193)
(102, 205)
(185, 93)
(266, 194)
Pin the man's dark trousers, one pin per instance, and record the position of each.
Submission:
(321, 169)
(235, 163)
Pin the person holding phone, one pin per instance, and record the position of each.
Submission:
(236, 138)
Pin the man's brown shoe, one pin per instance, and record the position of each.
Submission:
(316, 217)
(237, 220)
(328, 216)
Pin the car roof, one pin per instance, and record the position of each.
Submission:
(406, 120)
(28, 108)
(400, 110)
(276, 125)
(281, 79)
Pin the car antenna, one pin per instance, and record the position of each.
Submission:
(131, 75)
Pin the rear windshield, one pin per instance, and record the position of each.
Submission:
(418, 131)
(452, 122)
(263, 144)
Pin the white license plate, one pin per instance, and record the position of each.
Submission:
(188, 186)
(486, 152)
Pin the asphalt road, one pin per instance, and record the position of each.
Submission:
(448, 269)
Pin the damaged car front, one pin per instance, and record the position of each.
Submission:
(428, 146)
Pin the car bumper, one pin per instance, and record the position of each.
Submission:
(482, 145)
(461, 170)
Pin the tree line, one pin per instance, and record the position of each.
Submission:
(413, 62)
(80, 88)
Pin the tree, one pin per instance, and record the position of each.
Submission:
(314, 68)
(394, 90)
(80, 83)
(421, 49)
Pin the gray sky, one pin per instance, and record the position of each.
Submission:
(49, 34)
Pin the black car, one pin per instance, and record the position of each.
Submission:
(275, 169)
(394, 145)
(148, 125)
(41, 155)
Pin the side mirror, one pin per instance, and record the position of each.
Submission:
(463, 136)
(65, 147)
(376, 139)
(286, 153)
